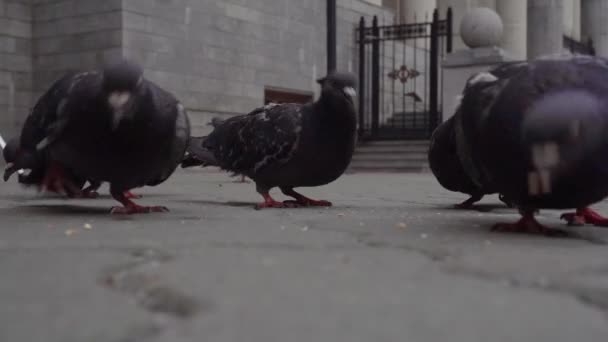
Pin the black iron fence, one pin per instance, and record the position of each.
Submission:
(401, 78)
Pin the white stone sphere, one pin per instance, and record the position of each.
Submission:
(481, 27)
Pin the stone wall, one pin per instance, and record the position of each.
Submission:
(15, 63)
(73, 35)
(218, 56)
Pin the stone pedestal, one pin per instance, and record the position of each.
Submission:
(514, 15)
(545, 27)
(482, 31)
(412, 11)
(594, 20)
(572, 19)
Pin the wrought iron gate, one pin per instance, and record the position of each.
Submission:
(400, 77)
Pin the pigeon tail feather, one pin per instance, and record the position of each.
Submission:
(197, 155)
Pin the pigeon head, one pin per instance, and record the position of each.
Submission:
(17, 158)
(11, 150)
(339, 84)
(122, 83)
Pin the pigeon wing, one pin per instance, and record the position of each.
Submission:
(249, 143)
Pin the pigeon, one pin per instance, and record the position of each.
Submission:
(37, 171)
(448, 170)
(537, 130)
(449, 155)
(287, 145)
(111, 125)
(21, 153)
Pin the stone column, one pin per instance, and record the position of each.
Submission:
(572, 19)
(412, 11)
(594, 19)
(514, 18)
(545, 27)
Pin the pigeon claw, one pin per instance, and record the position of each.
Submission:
(56, 181)
(468, 204)
(269, 202)
(130, 195)
(527, 225)
(8, 172)
(90, 194)
(138, 209)
(583, 216)
(303, 201)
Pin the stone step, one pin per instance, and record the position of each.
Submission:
(388, 168)
(403, 163)
(391, 156)
(392, 149)
(394, 143)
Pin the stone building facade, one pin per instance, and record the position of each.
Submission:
(229, 56)
(217, 56)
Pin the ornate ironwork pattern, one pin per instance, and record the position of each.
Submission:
(405, 31)
(403, 74)
(407, 105)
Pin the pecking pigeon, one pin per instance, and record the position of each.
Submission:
(449, 155)
(447, 167)
(287, 145)
(108, 126)
(37, 171)
(21, 153)
(537, 130)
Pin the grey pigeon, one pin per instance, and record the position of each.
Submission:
(287, 145)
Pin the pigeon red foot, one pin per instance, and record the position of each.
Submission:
(269, 202)
(303, 201)
(527, 224)
(129, 207)
(583, 216)
(56, 181)
(130, 195)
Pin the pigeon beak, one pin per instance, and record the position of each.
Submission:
(8, 172)
(350, 91)
(119, 103)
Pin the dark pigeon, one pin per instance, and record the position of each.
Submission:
(450, 157)
(287, 145)
(112, 126)
(21, 153)
(448, 170)
(539, 134)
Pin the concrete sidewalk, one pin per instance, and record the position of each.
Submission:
(389, 262)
